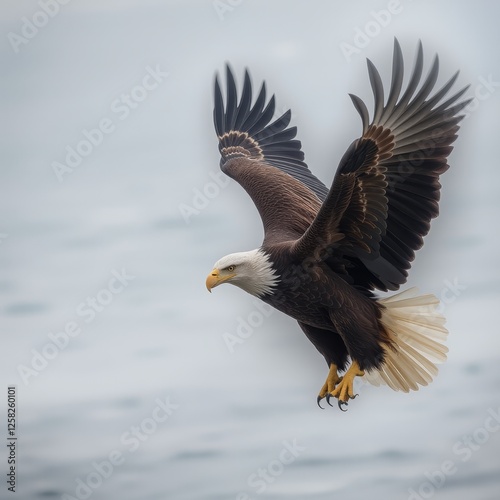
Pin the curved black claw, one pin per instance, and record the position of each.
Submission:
(328, 396)
(318, 401)
(342, 403)
(354, 397)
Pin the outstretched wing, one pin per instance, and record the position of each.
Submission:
(386, 189)
(247, 130)
(265, 158)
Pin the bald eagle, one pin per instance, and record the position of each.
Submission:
(326, 251)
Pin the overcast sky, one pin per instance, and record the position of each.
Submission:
(128, 83)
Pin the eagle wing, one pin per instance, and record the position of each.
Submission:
(264, 157)
(386, 188)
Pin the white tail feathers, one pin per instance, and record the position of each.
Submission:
(417, 331)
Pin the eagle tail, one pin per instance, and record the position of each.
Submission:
(417, 332)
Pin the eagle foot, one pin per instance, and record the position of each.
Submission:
(331, 381)
(345, 388)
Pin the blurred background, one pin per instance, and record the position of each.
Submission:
(132, 381)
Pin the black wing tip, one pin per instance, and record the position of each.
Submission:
(228, 68)
(397, 51)
(418, 94)
(370, 64)
(397, 45)
(435, 62)
(217, 86)
(259, 114)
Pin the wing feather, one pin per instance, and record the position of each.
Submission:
(396, 165)
(246, 130)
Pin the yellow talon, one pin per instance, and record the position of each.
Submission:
(331, 381)
(345, 388)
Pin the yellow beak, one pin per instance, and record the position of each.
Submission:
(214, 279)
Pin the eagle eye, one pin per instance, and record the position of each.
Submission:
(230, 268)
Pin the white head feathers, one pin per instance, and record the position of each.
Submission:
(253, 271)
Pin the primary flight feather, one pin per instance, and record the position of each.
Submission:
(326, 251)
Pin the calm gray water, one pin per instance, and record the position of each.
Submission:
(145, 398)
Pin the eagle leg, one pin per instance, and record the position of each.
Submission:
(345, 388)
(331, 381)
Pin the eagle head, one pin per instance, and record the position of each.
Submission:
(251, 271)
